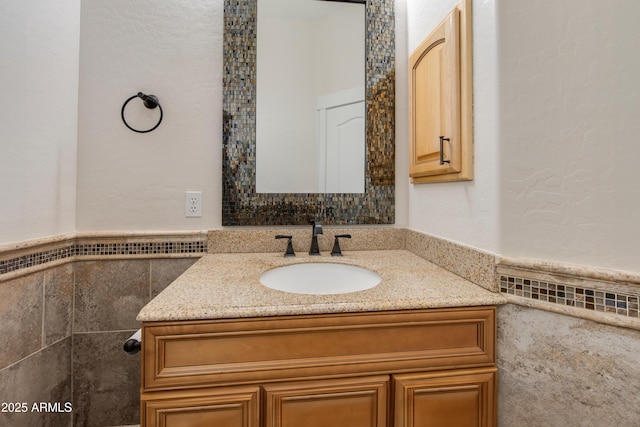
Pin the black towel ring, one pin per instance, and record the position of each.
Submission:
(151, 102)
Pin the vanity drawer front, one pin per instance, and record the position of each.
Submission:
(221, 352)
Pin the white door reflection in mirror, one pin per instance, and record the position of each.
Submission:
(341, 142)
(310, 52)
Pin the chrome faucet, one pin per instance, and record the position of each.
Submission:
(317, 229)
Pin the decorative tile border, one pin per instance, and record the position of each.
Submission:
(241, 205)
(36, 258)
(141, 248)
(624, 304)
(582, 291)
(44, 252)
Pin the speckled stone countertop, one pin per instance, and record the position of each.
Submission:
(227, 286)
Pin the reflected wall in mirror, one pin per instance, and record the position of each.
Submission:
(310, 131)
(242, 204)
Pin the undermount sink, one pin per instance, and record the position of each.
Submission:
(320, 278)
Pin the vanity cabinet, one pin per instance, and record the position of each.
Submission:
(374, 369)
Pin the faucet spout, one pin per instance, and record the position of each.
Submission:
(315, 231)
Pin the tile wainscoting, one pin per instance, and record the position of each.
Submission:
(559, 370)
(68, 302)
(567, 345)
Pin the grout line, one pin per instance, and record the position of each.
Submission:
(150, 280)
(105, 332)
(72, 329)
(43, 341)
(35, 352)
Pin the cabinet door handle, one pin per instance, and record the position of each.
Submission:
(442, 160)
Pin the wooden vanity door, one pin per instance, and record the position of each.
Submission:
(226, 406)
(461, 398)
(354, 402)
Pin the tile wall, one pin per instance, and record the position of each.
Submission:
(63, 325)
(557, 370)
(35, 338)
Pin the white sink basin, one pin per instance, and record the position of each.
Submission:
(320, 278)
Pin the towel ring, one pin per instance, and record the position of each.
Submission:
(151, 102)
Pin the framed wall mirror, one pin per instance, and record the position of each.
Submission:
(368, 197)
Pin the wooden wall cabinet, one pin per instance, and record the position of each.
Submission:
(440, 102)
(405, 368)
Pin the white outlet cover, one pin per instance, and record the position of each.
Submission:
(193, 204)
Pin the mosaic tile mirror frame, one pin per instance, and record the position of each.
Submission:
(241, 205)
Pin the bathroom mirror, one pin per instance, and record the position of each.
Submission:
(242, 204)
(310, 115)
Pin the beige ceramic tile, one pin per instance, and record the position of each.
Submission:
(557, 370)
(109, 294)
(21, 305)
(58, 305)
(44, 376)
(106, 381)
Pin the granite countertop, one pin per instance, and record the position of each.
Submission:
(227, 286)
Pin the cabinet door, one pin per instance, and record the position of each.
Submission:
(463, 398)
(354, 402)
(440, 102)
(226, 406)
(435, 95)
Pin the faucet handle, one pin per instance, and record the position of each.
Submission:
(336, 244)
(289, 252)
(317, 228)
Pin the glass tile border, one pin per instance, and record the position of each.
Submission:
(598, 300)
(74, 249)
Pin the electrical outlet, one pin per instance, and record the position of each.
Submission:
(193, 204)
